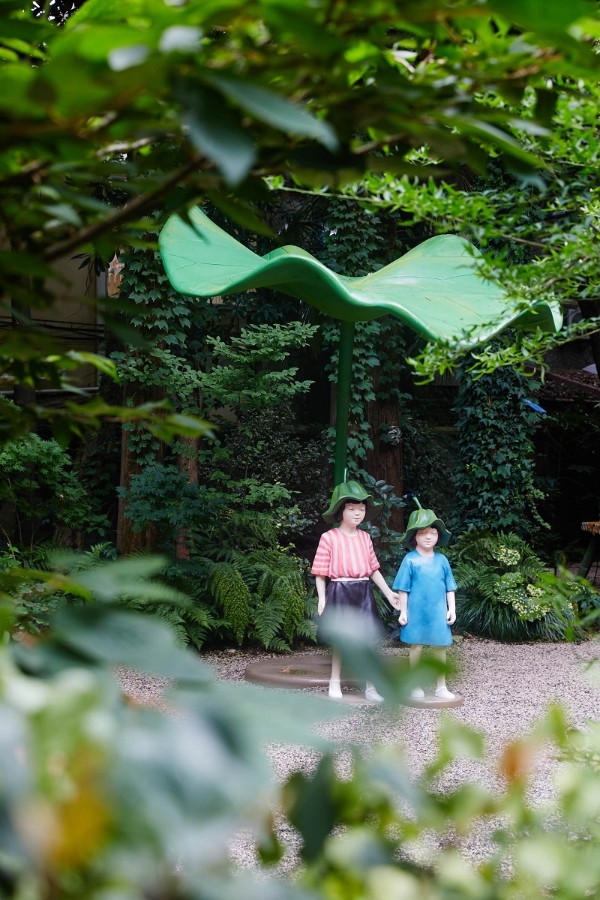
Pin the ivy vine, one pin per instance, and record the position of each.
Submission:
(495, 485)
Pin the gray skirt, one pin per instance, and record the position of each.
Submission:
(356, 595)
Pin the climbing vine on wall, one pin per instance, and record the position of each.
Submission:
(494, 479)
(173, 328)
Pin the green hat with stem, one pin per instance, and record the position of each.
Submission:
(351, 491)
(424, 518)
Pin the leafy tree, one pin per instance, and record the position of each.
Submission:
(539, 234)
(127, 107)
(237, 377)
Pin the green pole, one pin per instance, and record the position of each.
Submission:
(344, 383)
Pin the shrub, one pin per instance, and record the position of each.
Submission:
(264, 445)
(243, 585)
(37, 483)
(501, 591)
(163, 496)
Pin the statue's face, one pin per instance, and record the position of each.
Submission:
(426, 538)
(353, 514)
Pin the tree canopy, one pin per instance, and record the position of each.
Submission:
(147, 103)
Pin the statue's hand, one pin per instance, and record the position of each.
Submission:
(451, 618)
(395, 600)
(403, 618)
(321, 606)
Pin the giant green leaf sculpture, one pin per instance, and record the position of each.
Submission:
(435, 289)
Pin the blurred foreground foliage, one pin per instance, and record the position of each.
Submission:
(101, 798)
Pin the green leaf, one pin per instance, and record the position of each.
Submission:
(120, 637)
(213, 131)
(544, 16)
(275, 111)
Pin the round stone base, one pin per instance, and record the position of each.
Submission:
(311, 670)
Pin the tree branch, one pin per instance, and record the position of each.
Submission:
(118, 217)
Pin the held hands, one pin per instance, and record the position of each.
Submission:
(394, 599)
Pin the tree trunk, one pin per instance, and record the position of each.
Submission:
(189, 465)
(23, 395)
(128, 540)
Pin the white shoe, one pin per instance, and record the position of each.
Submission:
(335, 691)
(374, 695)
(444, 694)
(417, 694)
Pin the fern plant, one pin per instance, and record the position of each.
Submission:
(233, 594)
(259, 597)
(501, 590)
(279, 606)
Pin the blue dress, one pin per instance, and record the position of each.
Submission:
(426, 580)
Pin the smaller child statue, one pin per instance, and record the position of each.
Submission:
(426, 587)
(346, 558)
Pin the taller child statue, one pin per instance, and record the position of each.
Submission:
(345, 564)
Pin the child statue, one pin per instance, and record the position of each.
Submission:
(346, 558)
(426, 588)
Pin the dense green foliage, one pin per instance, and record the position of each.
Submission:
(153, 104)
(41, 493)
(243, 584)
(538, 234)
(494, 479)
(501, 590)
(34, 589)
(266, 449)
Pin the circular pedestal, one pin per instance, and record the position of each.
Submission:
(311, 670)
(430, 701)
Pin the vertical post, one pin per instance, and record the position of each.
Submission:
(589, 556)
(344, 383)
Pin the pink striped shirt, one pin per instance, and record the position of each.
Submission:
(341, 556)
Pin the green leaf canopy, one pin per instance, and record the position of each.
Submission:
(436, 289)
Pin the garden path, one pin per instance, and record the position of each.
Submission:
(506, 688)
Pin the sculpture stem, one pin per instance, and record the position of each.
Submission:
(344, 383)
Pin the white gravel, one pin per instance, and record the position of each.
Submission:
(506, 688)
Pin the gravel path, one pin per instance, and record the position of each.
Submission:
(506, 688)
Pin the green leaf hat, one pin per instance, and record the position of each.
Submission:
(424, 518)
(351, 490)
